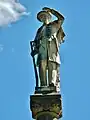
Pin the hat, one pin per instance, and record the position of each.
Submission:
(41, 13)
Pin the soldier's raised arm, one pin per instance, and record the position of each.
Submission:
(59, 16)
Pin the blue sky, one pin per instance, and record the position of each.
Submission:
(17, 80)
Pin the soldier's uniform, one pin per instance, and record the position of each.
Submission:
(48, 39)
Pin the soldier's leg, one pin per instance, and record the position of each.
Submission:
(52, 72)
(58, 79)
(42, 73)
(49, 73)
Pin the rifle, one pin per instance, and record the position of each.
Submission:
(35, 69)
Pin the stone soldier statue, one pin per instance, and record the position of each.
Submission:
(47, 41)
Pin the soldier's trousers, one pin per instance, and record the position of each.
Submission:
(52, 74)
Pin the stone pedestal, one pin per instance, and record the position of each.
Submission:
(45, 117)
(44, 90)
(46, 106)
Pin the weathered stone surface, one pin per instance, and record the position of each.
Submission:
(45, 89)
(46, 105)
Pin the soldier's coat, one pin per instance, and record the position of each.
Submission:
(48, 39)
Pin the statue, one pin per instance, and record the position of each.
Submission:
(46, 46)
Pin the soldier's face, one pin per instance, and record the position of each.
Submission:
(45, 19)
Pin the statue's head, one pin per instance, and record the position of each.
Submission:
(44, 17)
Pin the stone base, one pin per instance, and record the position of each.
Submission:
(46, 105)
(45, 89)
